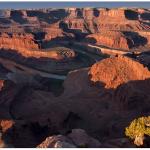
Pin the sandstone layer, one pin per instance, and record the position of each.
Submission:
(107, 26)
(115, 71)
(112, 39)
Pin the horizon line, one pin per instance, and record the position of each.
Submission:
(56, 5)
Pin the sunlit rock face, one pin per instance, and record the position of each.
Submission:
(121, 69)
(113, 39)
(17, 41)
(123, 28)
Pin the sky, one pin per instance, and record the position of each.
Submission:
(25, 5)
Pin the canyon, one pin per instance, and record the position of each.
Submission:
(73, 77)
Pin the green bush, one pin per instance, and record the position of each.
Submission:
(137, 129)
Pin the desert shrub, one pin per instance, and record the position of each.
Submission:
(137, 129)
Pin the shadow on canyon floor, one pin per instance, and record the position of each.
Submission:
(51, 17)
(78, 33)
(123, 104)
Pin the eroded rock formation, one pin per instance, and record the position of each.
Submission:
(18, 42)
(92, 98)
(116, 71)
(111, 39)
(106, 26)
(93, 105)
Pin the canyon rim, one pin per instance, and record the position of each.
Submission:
(73, 77)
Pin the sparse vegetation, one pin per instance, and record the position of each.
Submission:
(137, 129)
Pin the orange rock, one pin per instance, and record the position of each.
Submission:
(16, 41)
(25, 45)
(115, 71)
(112, 39)
(6, 124)
(1, 84)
